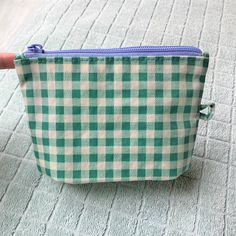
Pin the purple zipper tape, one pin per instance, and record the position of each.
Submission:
(36, 50)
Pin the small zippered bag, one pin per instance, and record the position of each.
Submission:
(121, 114)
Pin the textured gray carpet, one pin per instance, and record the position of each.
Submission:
(202, 202)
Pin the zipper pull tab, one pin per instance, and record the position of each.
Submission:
(35, 48)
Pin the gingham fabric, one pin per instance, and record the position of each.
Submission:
(102, 119)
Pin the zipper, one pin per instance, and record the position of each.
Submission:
(36, 50)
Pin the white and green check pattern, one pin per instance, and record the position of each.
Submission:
(101, 119)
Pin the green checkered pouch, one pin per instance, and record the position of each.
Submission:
(106, 115)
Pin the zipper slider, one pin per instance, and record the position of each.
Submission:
(35, 48)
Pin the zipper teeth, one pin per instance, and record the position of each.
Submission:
(119, 51)
(142, 48)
